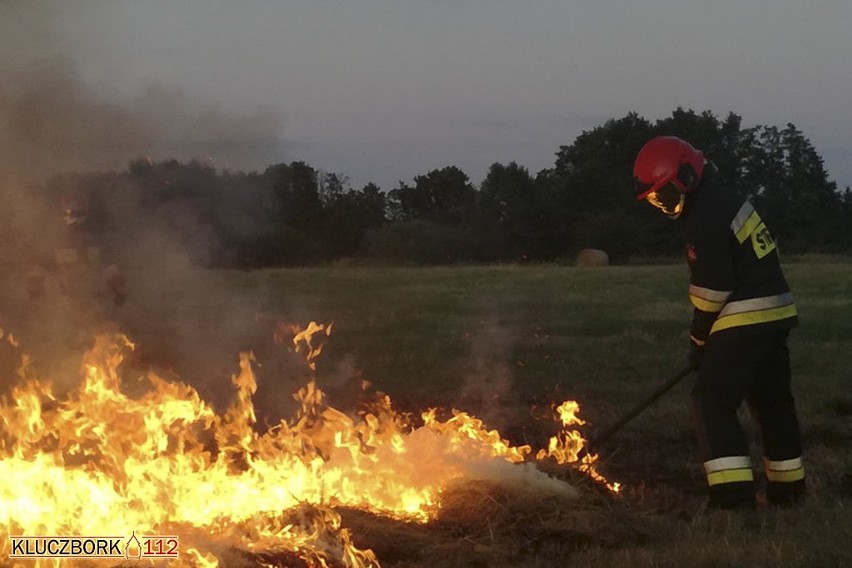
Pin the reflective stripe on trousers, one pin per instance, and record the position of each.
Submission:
(730, 469)
(784, 471)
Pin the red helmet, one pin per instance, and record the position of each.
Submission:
(667, 159)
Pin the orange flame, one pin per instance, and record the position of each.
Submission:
(100, 461)
(303, 339)
(567, 446)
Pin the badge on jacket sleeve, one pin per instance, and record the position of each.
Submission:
(762, 241)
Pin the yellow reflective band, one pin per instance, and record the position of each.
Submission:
(786, 476)
(706, 305)
(748, 227)
(709, 293)
(730, 476)
(757, 304)
(782, 465)
(697, 341)
(707, 299)
(751, 318)
(742, 216)
(727, 462)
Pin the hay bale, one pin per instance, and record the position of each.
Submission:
(592, 257)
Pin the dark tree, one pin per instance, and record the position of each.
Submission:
(513, 215)
(297, 188)
(442, 196)
(292, 214)
(349, 214)
(786, 179)
(594, 179)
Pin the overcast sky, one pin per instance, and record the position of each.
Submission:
(383, 90)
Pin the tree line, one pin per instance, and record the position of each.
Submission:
(292, 214)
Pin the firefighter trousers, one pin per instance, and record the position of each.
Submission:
(755, 369)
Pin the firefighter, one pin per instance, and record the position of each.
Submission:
(743, 312)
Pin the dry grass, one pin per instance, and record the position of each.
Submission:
(494, 524)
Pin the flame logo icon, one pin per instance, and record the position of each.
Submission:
(133, 548)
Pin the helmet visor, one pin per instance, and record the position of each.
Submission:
(669, 199)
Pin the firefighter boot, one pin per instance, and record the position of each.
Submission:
(732, 496)
(785, 493)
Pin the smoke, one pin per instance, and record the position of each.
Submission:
(50, 123)
(54, 121)
(487, 386)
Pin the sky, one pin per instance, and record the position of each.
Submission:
(385, 90)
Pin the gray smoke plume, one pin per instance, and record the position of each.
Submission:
(488, 381)
(54, 121)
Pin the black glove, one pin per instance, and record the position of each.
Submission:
(696, 353)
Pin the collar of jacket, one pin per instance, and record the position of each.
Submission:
(707, 182)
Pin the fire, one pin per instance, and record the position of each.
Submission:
(99, 461)
(303, 339)
(568, 445)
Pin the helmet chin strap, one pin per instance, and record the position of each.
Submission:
(678, 210)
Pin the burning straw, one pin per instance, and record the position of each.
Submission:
(496, 524)
(101, 461)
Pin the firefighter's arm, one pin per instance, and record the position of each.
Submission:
(711, 281)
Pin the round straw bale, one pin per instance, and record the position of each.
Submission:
(592, 257)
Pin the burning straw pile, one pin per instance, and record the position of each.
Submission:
(412, 490)
(495, 524)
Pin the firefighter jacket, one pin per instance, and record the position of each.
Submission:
(736, 282)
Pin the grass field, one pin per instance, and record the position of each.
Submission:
(505, 342)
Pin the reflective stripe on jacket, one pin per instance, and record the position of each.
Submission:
(736, 281)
